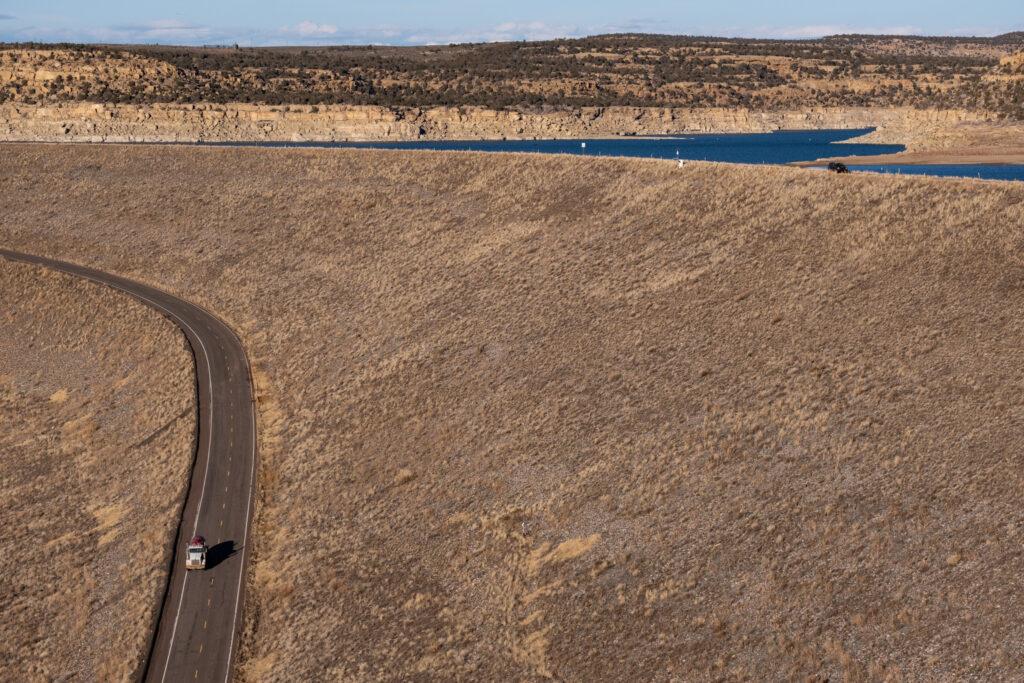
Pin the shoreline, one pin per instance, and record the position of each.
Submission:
(951, 157)
(928, 137)
(934, 158)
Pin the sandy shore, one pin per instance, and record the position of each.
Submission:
(964, 143)
(983, 155)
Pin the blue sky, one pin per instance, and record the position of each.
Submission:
(400, 22)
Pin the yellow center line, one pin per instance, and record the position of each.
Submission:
(200, 648)
(196, 675)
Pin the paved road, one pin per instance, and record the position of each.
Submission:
(201, 617)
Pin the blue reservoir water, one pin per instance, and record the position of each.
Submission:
(983, 171)
(780, 147)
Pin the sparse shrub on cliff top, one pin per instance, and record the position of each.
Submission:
(663, 71)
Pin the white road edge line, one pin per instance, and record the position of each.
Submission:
(245, 530)
(206, 471)
(209, 437)
(209, 447)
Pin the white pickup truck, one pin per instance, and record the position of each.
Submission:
(195, 556)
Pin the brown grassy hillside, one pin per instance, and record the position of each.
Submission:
(534, 417)
(97, 403)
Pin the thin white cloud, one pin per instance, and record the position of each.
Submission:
(533, 30)
(309, 32)
(310, 29)
(987, 31)
(171, 31)
(822, 30)
(160, 30)
(166, 31)
(501, 33)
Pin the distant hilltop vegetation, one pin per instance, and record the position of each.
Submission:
(978, 74)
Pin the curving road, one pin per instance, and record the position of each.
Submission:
(200, 619)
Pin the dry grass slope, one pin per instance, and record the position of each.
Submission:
(97, 402)
(540, 417)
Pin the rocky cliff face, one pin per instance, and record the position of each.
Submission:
(241, 122)
(115, 95)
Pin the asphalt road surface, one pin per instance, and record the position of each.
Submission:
(201, 617)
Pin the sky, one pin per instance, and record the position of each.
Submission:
(401, 22)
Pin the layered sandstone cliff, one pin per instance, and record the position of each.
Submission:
(108, 94)
(245, 122)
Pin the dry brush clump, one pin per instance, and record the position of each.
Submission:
(97, 402)
(595, 419)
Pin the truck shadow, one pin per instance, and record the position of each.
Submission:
(220, 552)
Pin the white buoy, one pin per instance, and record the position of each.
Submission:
(583, 145)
